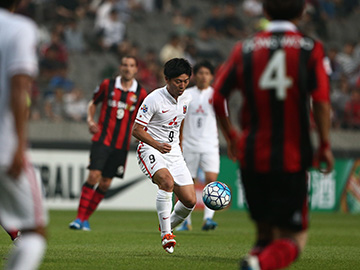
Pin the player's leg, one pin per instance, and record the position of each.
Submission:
(291, 220)
(256, 195)
(163, 179)
(288, 211)
(21, 206)
(153, 165)
(192, 160)
(29, 251)
(97, 197)
(114, 165)
(87, 192)
(98, 156)
(185, 204)
(264, 236)
(284, 250)
(185, 191)
(210, 164)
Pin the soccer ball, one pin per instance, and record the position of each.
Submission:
(216, 195)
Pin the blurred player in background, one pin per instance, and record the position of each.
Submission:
(199, 136)
(157, 127)
(120, 98)
(21, 204)
(277, 70)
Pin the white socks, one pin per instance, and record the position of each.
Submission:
(163, 207)
(208, 213)
(179, 214)
(28, 253)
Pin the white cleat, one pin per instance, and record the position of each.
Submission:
(250, 262)
(168, 242)
(169, 250)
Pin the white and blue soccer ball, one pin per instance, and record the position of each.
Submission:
(216, 195)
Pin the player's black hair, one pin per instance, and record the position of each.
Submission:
(205, 64)
(176, 67)
(129, 56)
(284, 9)
(9, 3)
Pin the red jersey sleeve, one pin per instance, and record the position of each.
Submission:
(226, 80)
(321, 92)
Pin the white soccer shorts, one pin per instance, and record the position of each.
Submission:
(151, 160)
(21, 200)
(208, 162)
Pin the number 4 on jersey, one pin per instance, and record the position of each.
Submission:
(274, 75)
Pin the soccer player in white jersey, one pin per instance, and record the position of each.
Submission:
(199, 135)
(21, 204)
(157, 127)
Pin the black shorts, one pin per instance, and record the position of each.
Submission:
(280, 199)
(110, 161)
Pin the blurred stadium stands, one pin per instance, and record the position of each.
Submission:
(335, 22)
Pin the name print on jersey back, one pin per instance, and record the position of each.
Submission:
(274, 42)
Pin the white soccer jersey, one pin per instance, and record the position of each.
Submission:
(200, 133)
(162, 115)
(17, 56)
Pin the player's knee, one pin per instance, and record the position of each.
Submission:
(164, 180)
(94, 177)
(104, 185)
(167, 185)
(189, 202)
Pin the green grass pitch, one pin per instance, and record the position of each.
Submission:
(130, 240)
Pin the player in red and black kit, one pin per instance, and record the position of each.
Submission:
(120, 98)
(277, 71)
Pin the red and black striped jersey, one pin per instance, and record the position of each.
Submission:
(118, 112)
(277, 71)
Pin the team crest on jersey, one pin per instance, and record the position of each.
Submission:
(144, 108)
(133, 98)
(184, 109)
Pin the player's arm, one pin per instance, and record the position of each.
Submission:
(321, 110)
(20, 89)
(226, 127)
(139, 133)
(225, 82)
(98, 96)
(91, 110)
(230, 135)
